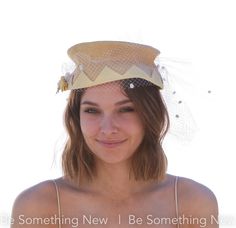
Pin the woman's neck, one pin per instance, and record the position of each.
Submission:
(117, 181)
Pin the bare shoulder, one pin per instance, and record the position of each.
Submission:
(197, 200)
(37, 201)
(192, 191)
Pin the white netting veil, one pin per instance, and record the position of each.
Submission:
(133, 66)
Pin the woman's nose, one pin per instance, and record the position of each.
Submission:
(108, 125)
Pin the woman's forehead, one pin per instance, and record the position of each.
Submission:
(108, 91)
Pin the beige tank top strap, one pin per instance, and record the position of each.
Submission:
(58, 203)
(176, 201)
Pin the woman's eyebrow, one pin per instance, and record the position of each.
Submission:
(89, 103)
(123, 102)
(117, 103)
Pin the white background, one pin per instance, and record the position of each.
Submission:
(35, 36)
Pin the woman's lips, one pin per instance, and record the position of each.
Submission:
(111, 144)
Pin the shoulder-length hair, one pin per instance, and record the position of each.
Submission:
(148, 162)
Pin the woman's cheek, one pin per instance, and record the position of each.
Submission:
(89, 126)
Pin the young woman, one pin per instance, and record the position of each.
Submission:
(113, 162)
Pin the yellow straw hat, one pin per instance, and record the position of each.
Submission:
(100, 62)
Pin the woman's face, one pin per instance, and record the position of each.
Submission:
(110, 125)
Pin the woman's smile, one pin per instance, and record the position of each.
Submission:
(111, 143)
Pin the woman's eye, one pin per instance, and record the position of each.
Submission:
(127, 109)
(91, 110)
(96, 111)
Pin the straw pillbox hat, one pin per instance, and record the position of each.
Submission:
(100, 62)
